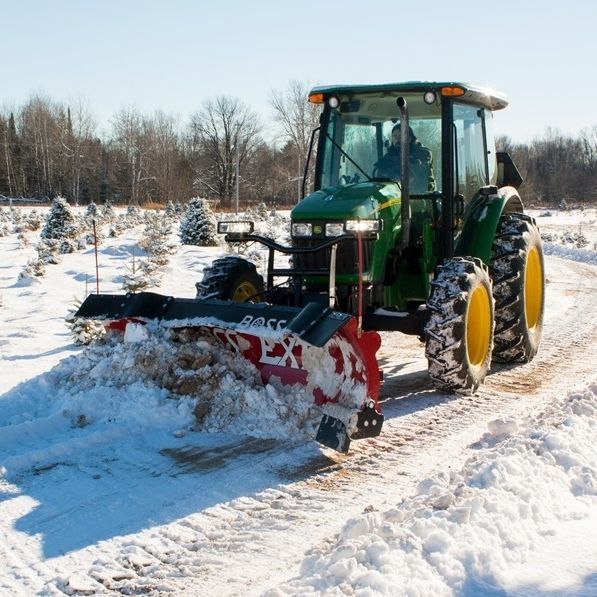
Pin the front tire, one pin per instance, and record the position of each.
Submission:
(459, 333)
(518, 288)
(231, 278)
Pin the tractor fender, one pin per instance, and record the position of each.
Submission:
(481, 222)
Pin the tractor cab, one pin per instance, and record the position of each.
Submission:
(450, 151)
(412, 156)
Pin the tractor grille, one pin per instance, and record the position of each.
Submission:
(346, 257)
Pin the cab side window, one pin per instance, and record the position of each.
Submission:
(470, 164)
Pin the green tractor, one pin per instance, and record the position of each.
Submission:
(439, 247)
(415, 225)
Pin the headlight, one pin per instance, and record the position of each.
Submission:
(235, 227)
(362, 226)
(334, 228)
(302, 229)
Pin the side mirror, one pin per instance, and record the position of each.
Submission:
(508, 174)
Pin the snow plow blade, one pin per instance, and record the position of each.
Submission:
(313, 346)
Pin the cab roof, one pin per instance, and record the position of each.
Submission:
(488, 98)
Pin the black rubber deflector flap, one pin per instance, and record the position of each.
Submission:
(314, 323)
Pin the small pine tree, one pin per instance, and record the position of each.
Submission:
(258, 212)
(82, 330)
(170, 210)
(156, 238)
(30, 222)
(133, 215)
(198, 226)
(107, 212)
(139, 277)
(60, 225)
(35, 268)
(48, 251)
(91, 211)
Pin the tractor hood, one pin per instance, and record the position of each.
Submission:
(361, 200)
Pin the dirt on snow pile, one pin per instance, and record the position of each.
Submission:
(189, 382)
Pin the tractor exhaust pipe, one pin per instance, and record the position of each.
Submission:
(405, 177)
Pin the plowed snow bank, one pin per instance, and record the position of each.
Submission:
(465, 530)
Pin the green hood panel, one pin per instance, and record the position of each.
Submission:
(362, 200)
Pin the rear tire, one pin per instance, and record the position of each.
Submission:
(459, 334)
(231, 278)
(518, 288)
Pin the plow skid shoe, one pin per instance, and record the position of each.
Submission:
(369, 423)
(332, 433)
(313, 346)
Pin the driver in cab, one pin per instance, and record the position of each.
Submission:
(420, 163)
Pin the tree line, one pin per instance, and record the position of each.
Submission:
(556, 166)
(49, 148)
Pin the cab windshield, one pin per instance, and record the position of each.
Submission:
(360, 142)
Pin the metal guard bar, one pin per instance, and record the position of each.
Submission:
(272, 244)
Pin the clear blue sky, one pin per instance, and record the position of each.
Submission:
(173, 55)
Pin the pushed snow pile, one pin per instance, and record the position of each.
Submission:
(153, 378)
(220, 391)
(464, 531)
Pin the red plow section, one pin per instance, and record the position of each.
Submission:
(313, 346)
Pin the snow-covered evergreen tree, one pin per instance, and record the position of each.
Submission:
(141, 275)
(132, 217)
(48, 250)
(258, 213)
(35, 268)
(278, 227)
(91, 211)
(82, 330)
(198, 226)
(6, 222)
(156, 238)
(23, 240)
(60, 226)
(170, 210)
(107, 212)
(28, 222)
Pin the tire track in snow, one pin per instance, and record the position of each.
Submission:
(416, 414)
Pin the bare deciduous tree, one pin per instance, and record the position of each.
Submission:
(77, 138)
(297, 118)
(131, 138)
(224, 132)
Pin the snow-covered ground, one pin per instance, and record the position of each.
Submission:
(111, 485)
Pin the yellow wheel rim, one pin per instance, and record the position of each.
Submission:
(478, 326)
(244, 291)
(533, 288)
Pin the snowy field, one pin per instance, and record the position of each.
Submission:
(116, 478)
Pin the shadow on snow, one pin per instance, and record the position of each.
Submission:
(96, 484)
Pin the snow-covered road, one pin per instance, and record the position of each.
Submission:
(105, 489)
